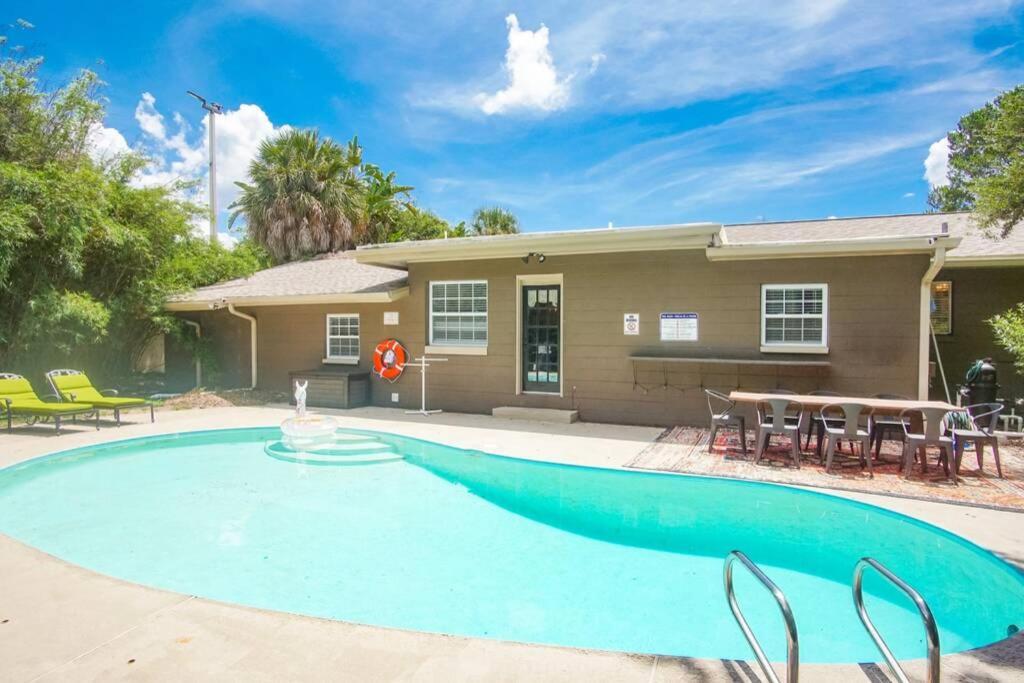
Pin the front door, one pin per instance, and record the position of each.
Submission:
(542, 337)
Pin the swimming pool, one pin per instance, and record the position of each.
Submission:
(460, 542)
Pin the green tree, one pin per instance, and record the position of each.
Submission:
(414, 223)
(384, 201)
(1009, 332)
(87, 260)
(986, 164)
(493, 220)
(304, 196)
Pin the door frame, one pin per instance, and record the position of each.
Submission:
(531, 280)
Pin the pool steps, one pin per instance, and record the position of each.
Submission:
(346, 449)
(792, 639)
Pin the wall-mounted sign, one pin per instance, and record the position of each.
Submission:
(678, 327)
(390, 317)
(630, 323)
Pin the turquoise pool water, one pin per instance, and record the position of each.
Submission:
(461, 542)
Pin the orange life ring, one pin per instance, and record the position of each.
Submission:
(389, 359)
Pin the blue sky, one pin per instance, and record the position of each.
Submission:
(572, 114)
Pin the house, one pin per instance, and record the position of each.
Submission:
(624, 325)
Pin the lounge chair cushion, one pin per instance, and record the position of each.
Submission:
(83, 391)
(25, 401)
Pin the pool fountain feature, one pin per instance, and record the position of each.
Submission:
(304, 431)
(314, 440)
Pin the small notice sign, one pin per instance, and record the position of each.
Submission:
(390, 317)
(630, 323)
(678, 327)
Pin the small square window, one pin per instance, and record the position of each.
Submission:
(343, 338)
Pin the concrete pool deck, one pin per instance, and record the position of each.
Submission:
(62, 622)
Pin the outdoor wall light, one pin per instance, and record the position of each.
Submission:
(540, 257)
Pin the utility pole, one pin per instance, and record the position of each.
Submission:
(213, 108)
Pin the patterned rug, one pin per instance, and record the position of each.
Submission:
(685, 449)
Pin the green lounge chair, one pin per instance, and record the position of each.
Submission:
(18, 398)
(74, 385)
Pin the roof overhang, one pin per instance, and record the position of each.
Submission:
(292, 300)
(873, 246)
(999, 261)
(606, 240)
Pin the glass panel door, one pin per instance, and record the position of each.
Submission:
(542, 323)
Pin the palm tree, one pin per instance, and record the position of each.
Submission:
(383, 202)
(494, 220)
(304, 196)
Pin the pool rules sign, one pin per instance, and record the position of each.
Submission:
(678, 327)
(631, 323)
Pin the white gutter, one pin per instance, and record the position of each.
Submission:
(925, 326)
(291, 300)
(828, 248)
(199, 363)
(252, 340)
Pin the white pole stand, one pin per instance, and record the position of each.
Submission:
(423, 363)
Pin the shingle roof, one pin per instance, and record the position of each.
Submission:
(322, 276)
(976, 244)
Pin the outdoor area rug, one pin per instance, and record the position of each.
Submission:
(685, 449)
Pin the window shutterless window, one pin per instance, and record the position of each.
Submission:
(343, 338)
(794, 318)
(942, 307)
(458, 313)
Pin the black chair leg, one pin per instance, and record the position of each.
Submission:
(117, 416)
(56, 423)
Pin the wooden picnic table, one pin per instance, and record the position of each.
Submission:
(879, 406)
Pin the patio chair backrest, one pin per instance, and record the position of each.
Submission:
(851, 416)
(934, 421)
(713, 395)
(15, 388)
(777, 408)
(985, 416)
(73, 385)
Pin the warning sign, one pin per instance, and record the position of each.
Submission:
(631, 323)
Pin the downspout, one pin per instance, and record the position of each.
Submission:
(925, 326)
(199, 362)
(252, 340)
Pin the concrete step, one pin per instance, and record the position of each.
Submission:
(276, 449)
(536, 414)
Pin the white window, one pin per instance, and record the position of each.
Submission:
(342, 339)
(794, 318)
(942, 307)
(458, 313)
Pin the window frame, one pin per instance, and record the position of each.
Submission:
(931, 312)
(457, 345)
(795, 347)
(344, 360)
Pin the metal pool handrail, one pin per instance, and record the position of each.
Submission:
(792, 641)
(931, 630)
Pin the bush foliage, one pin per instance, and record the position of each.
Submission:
(87, 258)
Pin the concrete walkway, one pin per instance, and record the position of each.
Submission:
(62, 622)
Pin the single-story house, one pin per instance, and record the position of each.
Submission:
(627, 325)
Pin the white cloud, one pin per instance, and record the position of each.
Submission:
(184, 155)
(909, 195)
(149, 119)
(533, 81)
(105, 143)
(936, 164)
